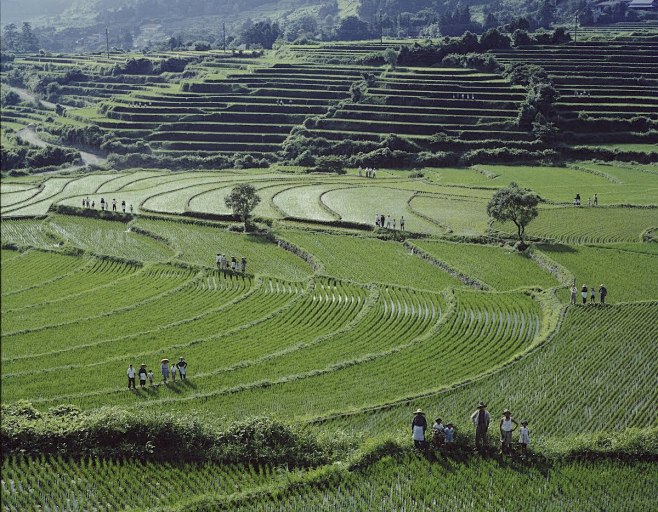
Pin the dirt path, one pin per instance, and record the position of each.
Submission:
(26, 95)
(29, 135)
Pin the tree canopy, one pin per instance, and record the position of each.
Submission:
(242, 200)
(515, 204)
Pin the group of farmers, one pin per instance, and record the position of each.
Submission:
(443, 436)
(179, 368)
(591, 292)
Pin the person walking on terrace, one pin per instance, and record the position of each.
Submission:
(481, 419)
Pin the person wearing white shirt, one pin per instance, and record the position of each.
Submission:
(131, 376)
(507, 426)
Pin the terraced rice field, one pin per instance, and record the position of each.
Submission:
(336, 326)
(383, 486)
(578, 382)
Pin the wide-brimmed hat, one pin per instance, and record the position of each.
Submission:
(507, 411)
(601, 284)
(481, 404)
(419, 411)
(165, 360)
(143, 364)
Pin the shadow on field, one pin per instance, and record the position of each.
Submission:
(556, 248)
(453, 459)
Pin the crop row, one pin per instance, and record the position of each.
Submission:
(91, 484)
(578, 382)
(584, 225)
(169, 327)
(127, 292)
(483, 332)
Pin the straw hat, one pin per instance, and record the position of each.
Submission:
(419, 411)
(507, 411)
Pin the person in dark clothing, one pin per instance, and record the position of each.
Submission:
(243, 264)
(182, 368)
(418, 428)
(602, 293)
(481, 419)
(142, 375)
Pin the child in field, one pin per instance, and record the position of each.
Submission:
(592, 295)
(583, 293)
(524, 437)
(438, 433)
(150, 376)
(574, 293)
(173, 371)
(449, 433)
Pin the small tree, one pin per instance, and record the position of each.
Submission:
(242, 200)
(515, 204)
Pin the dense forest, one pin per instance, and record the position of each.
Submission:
(79, 25)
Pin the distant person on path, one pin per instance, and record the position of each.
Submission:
(592, 295)
(602, 293)
(131, 376)
(123, 206)
(131, 208)
(574, 294)
(438, 433)
(589, 202)
(583, 293)
(524, 437)
(402, 223)
(234, 263)
(142, 375)
(243, 264)
(507, 426)
(481, 419)
(165, 370)
(418, 427)
(577, 200)
(102, 204)
(218, 261)
(114, 205)
(150, 376)
(596, 199)
(173, 371)
(182, 368)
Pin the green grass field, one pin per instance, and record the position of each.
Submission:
(336, 328)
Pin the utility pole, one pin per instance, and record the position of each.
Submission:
(224, 37)
(381, 29)
(107, 43)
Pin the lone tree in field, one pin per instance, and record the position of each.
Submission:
(242, 200)
(515, 204)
